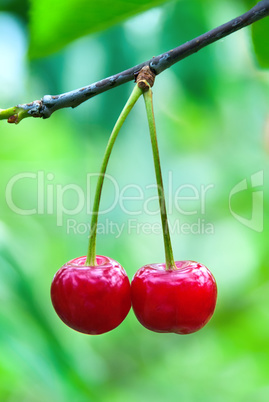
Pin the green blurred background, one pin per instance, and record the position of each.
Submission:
(213, 125)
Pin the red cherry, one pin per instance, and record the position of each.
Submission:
(181, 300)
(91, 299)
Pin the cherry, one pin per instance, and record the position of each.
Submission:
(91, 299)
(92, 294)
(180, 300)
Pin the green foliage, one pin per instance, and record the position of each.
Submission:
(53, 24)
(260, 35)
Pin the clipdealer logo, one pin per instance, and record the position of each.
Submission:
(256, 221)
(67, 201)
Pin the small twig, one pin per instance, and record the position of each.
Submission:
(49, 104)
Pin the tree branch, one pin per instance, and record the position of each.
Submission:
(49, 104)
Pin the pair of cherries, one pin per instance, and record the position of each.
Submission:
(93, 294)
(96, 299)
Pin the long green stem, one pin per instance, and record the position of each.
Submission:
(170, 264)
(91, 256)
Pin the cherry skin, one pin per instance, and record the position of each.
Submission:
(181, 300)
(91, 299)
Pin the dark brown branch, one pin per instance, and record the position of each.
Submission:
(49, 104)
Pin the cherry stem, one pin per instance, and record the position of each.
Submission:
(91, 256)
(170, 263)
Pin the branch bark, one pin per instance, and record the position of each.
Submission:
(49, 104)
